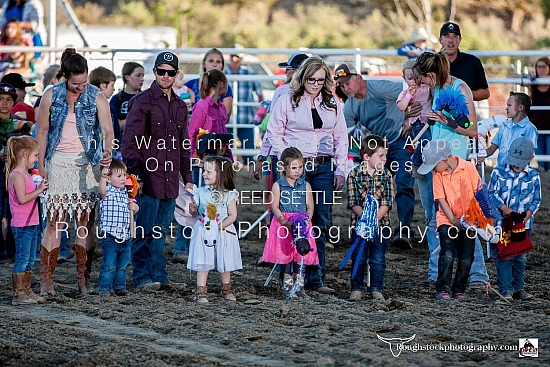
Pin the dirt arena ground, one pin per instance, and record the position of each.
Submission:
(263, 329)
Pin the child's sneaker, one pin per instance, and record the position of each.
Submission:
(459, 296)
(104, 294)
(442, 296)
(377, 296)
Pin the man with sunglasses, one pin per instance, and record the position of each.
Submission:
(371, 109)
(154, 148)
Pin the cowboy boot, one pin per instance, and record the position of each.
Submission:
(81, 268)
(89, 258)
(227, 293)
(48, 261)
(201, 294)
(30, 293)
(19, 292)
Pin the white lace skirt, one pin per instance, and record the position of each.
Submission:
(73, 185)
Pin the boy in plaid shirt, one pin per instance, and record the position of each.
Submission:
(370, 177)
(114, 227)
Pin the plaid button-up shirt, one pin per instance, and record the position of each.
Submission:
(519, 191)
(380, 185)
(114, 214)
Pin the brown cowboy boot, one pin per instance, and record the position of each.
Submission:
(227, 293)
(201, 294)
(19, 292)
(48, 261)
(81, 257)
(89, 259)
(30, 293)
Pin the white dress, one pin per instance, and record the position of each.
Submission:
(221, 252)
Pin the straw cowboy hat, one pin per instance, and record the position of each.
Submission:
(181, 212)
(419, 34)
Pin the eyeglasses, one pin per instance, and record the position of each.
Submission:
(342, 74)
(171, 73)
(312, 81)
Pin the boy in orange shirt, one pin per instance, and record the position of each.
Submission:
(454, 184)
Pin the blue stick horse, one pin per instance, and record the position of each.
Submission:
(366, 229)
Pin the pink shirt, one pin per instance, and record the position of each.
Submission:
(26, 214)
(423, 97)
(207, 116)
(293, 127)
(70, 141)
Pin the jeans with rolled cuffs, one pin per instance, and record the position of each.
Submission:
(152, 223)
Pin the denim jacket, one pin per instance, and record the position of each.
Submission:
(87, 123)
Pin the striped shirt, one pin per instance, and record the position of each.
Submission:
(114, 214)
(380, 185)
(520, 191)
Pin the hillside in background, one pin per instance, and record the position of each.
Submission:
(491, 24)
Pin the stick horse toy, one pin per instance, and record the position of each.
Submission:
(366, 229)
(132, 186)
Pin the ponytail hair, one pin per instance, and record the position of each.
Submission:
(434, 62)
(15, 146)
(209, 80)
(72, 63)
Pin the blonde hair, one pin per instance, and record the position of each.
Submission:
(17, 145)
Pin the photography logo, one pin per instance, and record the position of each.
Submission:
(528, 348)
(396, 344)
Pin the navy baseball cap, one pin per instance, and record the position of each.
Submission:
(167, 58)
(449, 27)
(293, 62)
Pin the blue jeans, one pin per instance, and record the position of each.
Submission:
(416, 157)
(321, 179)
(478, 273)
(510, 272)
(464, 248)
(404, 182)
(183, 239)
(25, 247)
(152, 223)
(375, 252)
(425, 190)
(246, 136)
(116, 256)
(543, 148)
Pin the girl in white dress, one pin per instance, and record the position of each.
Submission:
(215, 244)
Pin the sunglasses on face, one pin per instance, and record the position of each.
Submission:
(171, 73)
(342, 74)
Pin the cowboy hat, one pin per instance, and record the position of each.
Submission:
(419, 34)
(181, 211)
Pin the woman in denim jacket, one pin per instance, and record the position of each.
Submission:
(71, 117)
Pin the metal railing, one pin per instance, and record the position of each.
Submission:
(111, 55)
